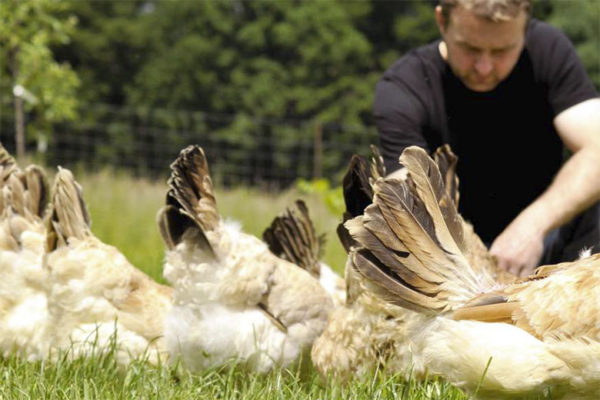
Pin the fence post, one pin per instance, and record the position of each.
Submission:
(318, 150)
(19, 128)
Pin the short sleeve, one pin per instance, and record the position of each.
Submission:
(559, 68)
(398, 115)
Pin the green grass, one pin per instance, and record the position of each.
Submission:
(124, 211)
(100, 378)
(123, 214)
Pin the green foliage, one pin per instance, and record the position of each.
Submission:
(28, 31)
(333, 198)
(262, 58)
(581, 22)
(105, 50)
(259, 78)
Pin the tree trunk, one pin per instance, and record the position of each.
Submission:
(318, 151)
(19, 128)
(19, 113)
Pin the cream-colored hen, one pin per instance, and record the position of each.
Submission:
(539, 335)
(62, 289)
(23, 291)
(233, 299)
(369, 332)
(95, 296)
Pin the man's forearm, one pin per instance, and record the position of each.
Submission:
(575, 188)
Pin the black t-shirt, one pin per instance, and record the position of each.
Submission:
(507, 146)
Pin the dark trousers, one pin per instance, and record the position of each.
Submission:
(566, 242)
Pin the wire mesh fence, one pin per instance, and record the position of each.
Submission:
(242, 150)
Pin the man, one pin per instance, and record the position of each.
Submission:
(506, 92)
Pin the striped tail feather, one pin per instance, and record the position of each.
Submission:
(68, 216)
(25, 191)
(8, 165)
(412, 243)
(446, 161)
(431, 188)
(292, 236)
(476, 252)
(190, 203)
(357, 188)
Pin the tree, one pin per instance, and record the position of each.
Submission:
(27, 31)
(259, 67)
(581, 22)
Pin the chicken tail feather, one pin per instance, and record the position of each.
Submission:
(292, 236)
(358, 189)
(190, 202)
(68, 216)
(412, 237)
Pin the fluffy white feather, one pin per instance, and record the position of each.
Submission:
(232, 298)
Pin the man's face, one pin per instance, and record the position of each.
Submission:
(481, 52)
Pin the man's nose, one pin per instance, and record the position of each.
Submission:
(484, 65)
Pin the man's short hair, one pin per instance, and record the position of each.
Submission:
(494, 10)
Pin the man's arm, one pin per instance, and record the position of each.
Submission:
(398, 116)
(576, 187)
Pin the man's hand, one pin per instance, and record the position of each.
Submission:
(518, 249)
(576, 187)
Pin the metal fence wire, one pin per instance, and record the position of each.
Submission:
(241, 149)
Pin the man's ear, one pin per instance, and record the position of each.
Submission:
(439, 18)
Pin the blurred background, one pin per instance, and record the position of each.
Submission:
(273, 90)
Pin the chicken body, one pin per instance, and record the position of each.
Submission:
(23, 288)
(333, 284)
(494, 335)
(96, 298)
(367, 332)
(63, 290)
(233, 299)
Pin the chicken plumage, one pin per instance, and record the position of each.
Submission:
(96, 297)
(366, 332)
(535, 335)
(23, 291)
(234, 300)
(292, 236)
(369, 332)
(63, 290)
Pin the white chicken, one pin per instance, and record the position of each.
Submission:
(96, 298)
(23, 294)
(494, 338)
(62, 289)
(233, 299)
(292, 236)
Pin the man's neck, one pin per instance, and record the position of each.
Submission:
(443, 50)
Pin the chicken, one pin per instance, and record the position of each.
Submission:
(96, 298)
(369, 332)
(23, 300)
(292, 236)
(233, 299)
(361, 335)
(493, 335)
